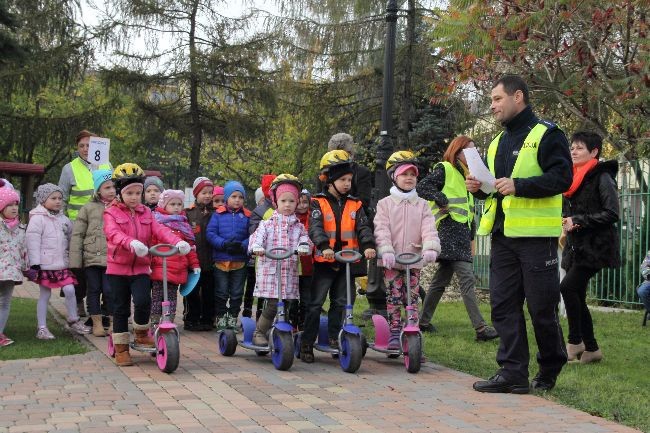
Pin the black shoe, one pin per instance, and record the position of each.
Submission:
(334, 343)
(499, 384)
(192, 326)
(204, 327)
(247, 312)
(488, 333)
(543, 383)
(428, 327)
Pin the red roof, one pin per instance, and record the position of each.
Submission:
(21, 168)
(156, 173)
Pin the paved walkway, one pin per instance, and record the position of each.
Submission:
(211, 393)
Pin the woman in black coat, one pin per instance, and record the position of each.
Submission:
(590, 212)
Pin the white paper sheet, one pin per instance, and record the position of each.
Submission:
(479, 170)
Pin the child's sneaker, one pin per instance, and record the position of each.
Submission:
(79, 327)
(232, 322)
(393, 341)
(5, 341)
(44, 334)
(222, 323)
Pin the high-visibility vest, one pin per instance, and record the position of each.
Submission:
(83, 189)
(460, 202)
(348, 234)
(524, 217)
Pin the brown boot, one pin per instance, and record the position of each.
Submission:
(142, 337)
(122, 356)
(588, 357)
(574, 351)
(98, 328)
(263, 326)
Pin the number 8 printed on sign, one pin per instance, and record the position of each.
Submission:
(99, 148)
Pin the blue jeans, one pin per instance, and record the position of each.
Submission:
(644, 294)
(228, 289)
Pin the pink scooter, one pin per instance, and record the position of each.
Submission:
(410, 337)
(166, 336)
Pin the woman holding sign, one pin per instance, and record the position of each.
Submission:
(453, 208)
(76, 182)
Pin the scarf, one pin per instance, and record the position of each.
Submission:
(579, 174)
(403, 195)
(176, 222)
(11, 223)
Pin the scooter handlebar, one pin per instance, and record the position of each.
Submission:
(408, 258)
(347, 256)
(279, 253)
(155, 250)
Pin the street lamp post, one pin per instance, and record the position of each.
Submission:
(385, 147)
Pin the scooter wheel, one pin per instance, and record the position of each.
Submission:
(297, 342)
(227, 342)
(364, 346)
(168, 352)
(111, 346)
(281, 350)
(351, 352)
(412, 347)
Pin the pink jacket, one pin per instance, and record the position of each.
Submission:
(48, 239)
(404, 224)
(121, 226)
(278, 231)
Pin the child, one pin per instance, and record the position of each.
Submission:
(13, 254)
(228, 234)
(170, 214)
(643, 290)
(306, 265)
(129, 227)
(337, 222)
(282, 229)
(88, 248)
(153, 187)
(217, 196)
(48, 236)
(198, 306)
(404, 223)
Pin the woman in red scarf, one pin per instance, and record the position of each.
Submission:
(590, 211)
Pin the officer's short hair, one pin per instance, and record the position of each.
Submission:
(512, 83)
(590, 139)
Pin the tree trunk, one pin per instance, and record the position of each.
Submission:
(196, 131)
(407, 88)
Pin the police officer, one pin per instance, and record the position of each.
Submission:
(531, 163)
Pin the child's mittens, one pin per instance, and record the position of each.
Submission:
(429, 256)
(234, 248)
(388, 260)
(139, 248)
(303, 249)
(258, 251)
(196, 270)
(32, 273)
(183, 248)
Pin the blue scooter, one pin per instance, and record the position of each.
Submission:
(281, 334)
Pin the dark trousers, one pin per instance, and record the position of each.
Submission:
(198, 306)
(326, 280)
(229, 291)
(98, 287)
(526, 269)
(125, 287)
(299, 312)
(248, 295)
(574, 291)
(80, 287)
(376, 290)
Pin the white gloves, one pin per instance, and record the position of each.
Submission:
(388, 260)
(196, 270)
(183, 248)
(429, 256)
(303, 249)
(258, 250)
(139, 248)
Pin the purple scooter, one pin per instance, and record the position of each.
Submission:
(410, 336)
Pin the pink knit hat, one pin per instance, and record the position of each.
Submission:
(167, 195)
(8, 196)
(218, 190)
(286, 187)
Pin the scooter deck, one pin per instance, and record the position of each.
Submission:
(143, 349)
(252, 346)
(326, 348)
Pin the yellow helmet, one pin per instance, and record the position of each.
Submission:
(400, 157)
(286, 178)
(333, 158)
(128, 170)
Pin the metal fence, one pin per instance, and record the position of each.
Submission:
(609, 286)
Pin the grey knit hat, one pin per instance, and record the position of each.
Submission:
(155, 181)
(46, 190)
(341, 141)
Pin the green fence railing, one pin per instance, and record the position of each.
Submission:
(609, 286)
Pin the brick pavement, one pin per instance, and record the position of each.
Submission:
(244, 393)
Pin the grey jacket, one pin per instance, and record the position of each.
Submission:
(88, 243)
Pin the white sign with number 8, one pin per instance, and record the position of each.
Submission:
(98, 150)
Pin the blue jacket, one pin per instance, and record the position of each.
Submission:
(228, 226)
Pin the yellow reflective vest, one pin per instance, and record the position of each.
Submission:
(461, 202)
(83, 188)
(524, 217)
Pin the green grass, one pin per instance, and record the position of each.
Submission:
(618, 388)
(21, 328)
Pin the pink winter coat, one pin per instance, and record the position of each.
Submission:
(121, 226)
(404, 224)
(48, 239)
(278, 231)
